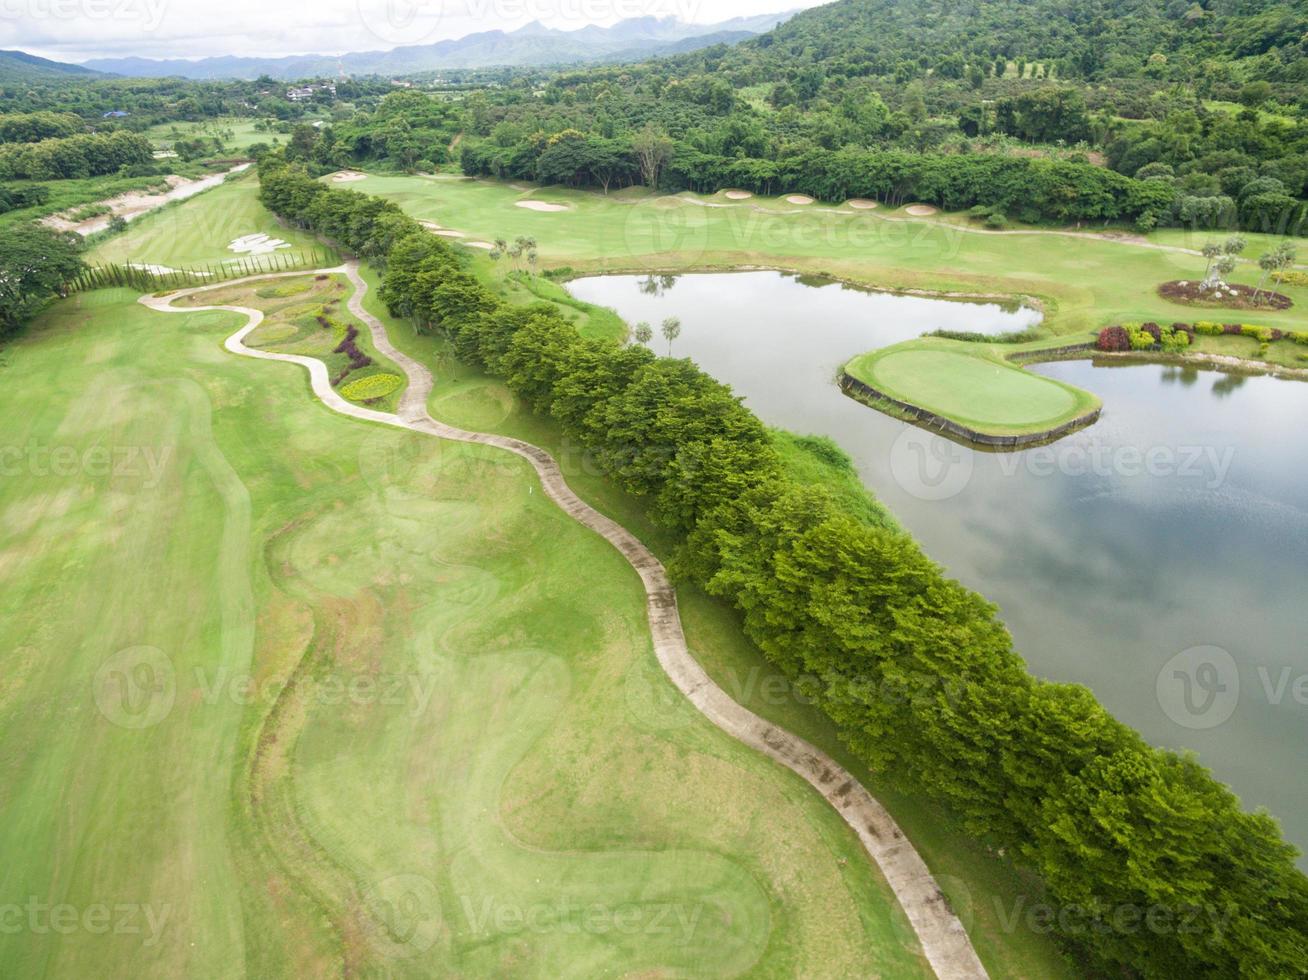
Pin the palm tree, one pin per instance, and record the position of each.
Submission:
(644, 332)
(671, 331)
(531, 259)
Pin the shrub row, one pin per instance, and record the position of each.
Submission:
(1148, 336)
(347, 346)
(916, 670)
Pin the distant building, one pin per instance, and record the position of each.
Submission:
(115, 114)
(304, 93)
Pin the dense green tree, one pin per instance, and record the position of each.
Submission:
(36, 264)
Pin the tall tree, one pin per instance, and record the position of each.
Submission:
(36, 263)
(653, 148)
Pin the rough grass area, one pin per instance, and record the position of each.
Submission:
(967, 384)
(66, 195)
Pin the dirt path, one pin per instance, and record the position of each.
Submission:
(943, 939)
(133, 204)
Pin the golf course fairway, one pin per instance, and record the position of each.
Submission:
(399, 714)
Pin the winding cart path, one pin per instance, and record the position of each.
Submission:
(943, 938)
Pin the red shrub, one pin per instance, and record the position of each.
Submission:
(1114, 339)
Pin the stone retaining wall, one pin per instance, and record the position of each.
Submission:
(940, 423)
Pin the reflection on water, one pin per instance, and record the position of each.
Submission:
(1178, 521)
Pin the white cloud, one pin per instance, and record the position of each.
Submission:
(75, 30)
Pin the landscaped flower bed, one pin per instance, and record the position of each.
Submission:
(1236, 296)
(1179, 336)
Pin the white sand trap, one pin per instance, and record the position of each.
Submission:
(449, 233)
(540, 206)
(430, 225)
(162, 270)
(485, 245)
(256, 244)
(738, 195)
(862, 203)
(920, 210)
(799, 199)
(346, 176)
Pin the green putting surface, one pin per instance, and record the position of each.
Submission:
(966, 386)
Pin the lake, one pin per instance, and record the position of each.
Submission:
(1159, 557)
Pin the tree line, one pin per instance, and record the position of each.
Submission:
(1028, 188)
(82, 155)
(1154, 867)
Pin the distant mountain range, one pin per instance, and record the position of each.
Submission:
(534, 44)
(19, 66)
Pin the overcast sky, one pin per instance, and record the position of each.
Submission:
(75, 30)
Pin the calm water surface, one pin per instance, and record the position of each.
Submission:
(1159, 557)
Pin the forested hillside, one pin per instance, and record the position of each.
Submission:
(1085, 40)
(1199, 109)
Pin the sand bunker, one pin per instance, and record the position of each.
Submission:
(799, 199)
(346, 176)
(738, 195)
(485, 245)
(449, 233)
(162, 270)
(256, 244)
(862, 203)
(540, 206)
(430, 225)
(920, 210)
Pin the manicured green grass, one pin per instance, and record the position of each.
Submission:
(404, 714)
(196, 232)
(1083, 283)
(966, 383)
(1256, 243)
